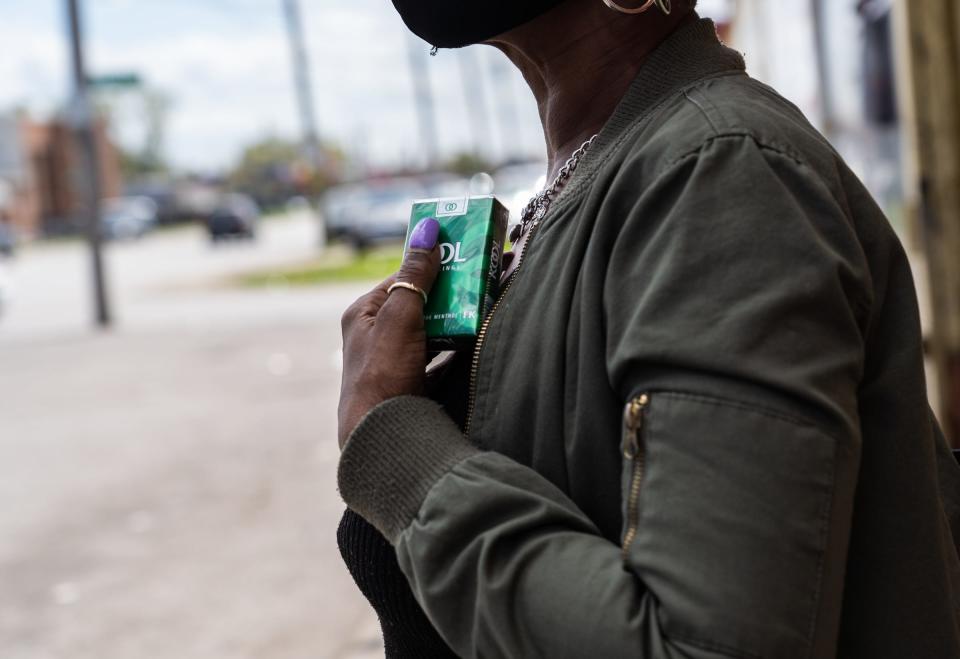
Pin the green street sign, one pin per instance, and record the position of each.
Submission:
(115, 80)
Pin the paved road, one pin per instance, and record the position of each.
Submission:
(167, 489)
(147, 280)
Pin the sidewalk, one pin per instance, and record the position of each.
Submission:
(167, 489)
(173, 496)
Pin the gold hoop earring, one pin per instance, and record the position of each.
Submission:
(664, 5)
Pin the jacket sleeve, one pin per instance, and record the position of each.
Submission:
(746, 337)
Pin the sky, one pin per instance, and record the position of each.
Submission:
(225, 65)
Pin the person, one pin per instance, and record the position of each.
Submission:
(696, 424)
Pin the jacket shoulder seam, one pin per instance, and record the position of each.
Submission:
(862, 302)
(702, 110)
(733, 135)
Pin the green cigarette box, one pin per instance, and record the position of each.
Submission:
(472, 231)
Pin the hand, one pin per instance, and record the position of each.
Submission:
(384, 340)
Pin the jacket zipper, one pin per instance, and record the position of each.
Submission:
(634, 451)
(475, 364)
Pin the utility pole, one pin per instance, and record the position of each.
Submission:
(423, 100)
(304, 91)
(475, 98)
(822, 50)
(301, 80)
(84, 124)
(510, 146)
(930, 34)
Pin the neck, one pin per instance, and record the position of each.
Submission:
(579, 59)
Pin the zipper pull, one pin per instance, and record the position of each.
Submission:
(632, 424)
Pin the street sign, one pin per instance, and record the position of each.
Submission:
(114, 80)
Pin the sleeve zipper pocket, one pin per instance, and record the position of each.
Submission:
(634, 453)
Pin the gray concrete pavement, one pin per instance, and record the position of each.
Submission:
(167, 488)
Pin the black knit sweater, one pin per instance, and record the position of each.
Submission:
(407, 634)
(372, 561)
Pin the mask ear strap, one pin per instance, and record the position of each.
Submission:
(664, 5)
(433, 51)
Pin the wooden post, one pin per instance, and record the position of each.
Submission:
(931, 72)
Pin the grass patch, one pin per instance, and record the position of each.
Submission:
(336, 265)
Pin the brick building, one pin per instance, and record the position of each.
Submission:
(39, 175)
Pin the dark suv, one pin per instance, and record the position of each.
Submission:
(235, 216)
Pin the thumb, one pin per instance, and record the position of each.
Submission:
(420, 266)
(421, 263)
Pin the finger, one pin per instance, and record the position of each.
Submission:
(421, 263)
(368, 304)
(420, 267)
(376, 297)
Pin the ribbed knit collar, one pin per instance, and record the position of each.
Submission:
(692, 53)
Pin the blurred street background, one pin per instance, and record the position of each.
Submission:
(191, 194)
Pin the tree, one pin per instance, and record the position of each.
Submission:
(467, 164)
(273, 169)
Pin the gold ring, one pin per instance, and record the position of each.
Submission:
(409, 287)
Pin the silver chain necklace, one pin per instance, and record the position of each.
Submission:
(537, 208)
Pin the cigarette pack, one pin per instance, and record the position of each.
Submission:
(472, 231)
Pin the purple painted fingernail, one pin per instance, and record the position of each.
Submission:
(425, 234)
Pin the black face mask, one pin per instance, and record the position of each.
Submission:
(458, 23)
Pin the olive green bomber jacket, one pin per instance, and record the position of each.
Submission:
(699, 424)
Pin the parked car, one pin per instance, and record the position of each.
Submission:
(6, 289)
(163, 192)
(7, 240)
(376, 211)
(236, 215)
(127, 218)
(370, 212)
